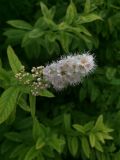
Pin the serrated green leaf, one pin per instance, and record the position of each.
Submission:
(88, 18)
(71, 13)
(85, 146)
(13, 60)
(20, 24)
(8, 103)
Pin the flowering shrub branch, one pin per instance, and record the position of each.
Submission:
(69, 70)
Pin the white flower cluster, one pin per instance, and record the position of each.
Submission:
(69, 70)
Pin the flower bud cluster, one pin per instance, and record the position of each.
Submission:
(68, 70)
(23, 76)
(38, 83)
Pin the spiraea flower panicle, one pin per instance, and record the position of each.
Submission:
(69, 70)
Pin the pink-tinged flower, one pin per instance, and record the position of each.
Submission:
(68, 70)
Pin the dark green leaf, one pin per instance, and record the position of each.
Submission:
(67, 121)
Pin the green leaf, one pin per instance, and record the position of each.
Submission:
(40, 143)
(79, 128)
(48, 151)
(110, 73)
(99, 125)
(88, 18)
(95, 92)
(31, 154)
(20, 24)
(115, 82)
(38, 130)
(46, 93)
(17, 151)
(82, 94)
(40, 157)
(71, 13)
(99, 136)
(65, 40)
(87, 6)
(8, 103)
(13, 136)
(23, 104)
(88, 126)
(73, 145)
(67, 121)
(44, 10)
(13, 60)
(35, 33)
(15, 34)
(107, 136)
(4, 75)
(85, 146)
(26, 40)
(79, 29)
(98, 146)
(92, 139)
(56, 143)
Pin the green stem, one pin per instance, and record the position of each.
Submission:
(32, 100)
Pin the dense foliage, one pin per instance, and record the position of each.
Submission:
(80, 122)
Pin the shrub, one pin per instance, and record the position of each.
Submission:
(79, 122)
